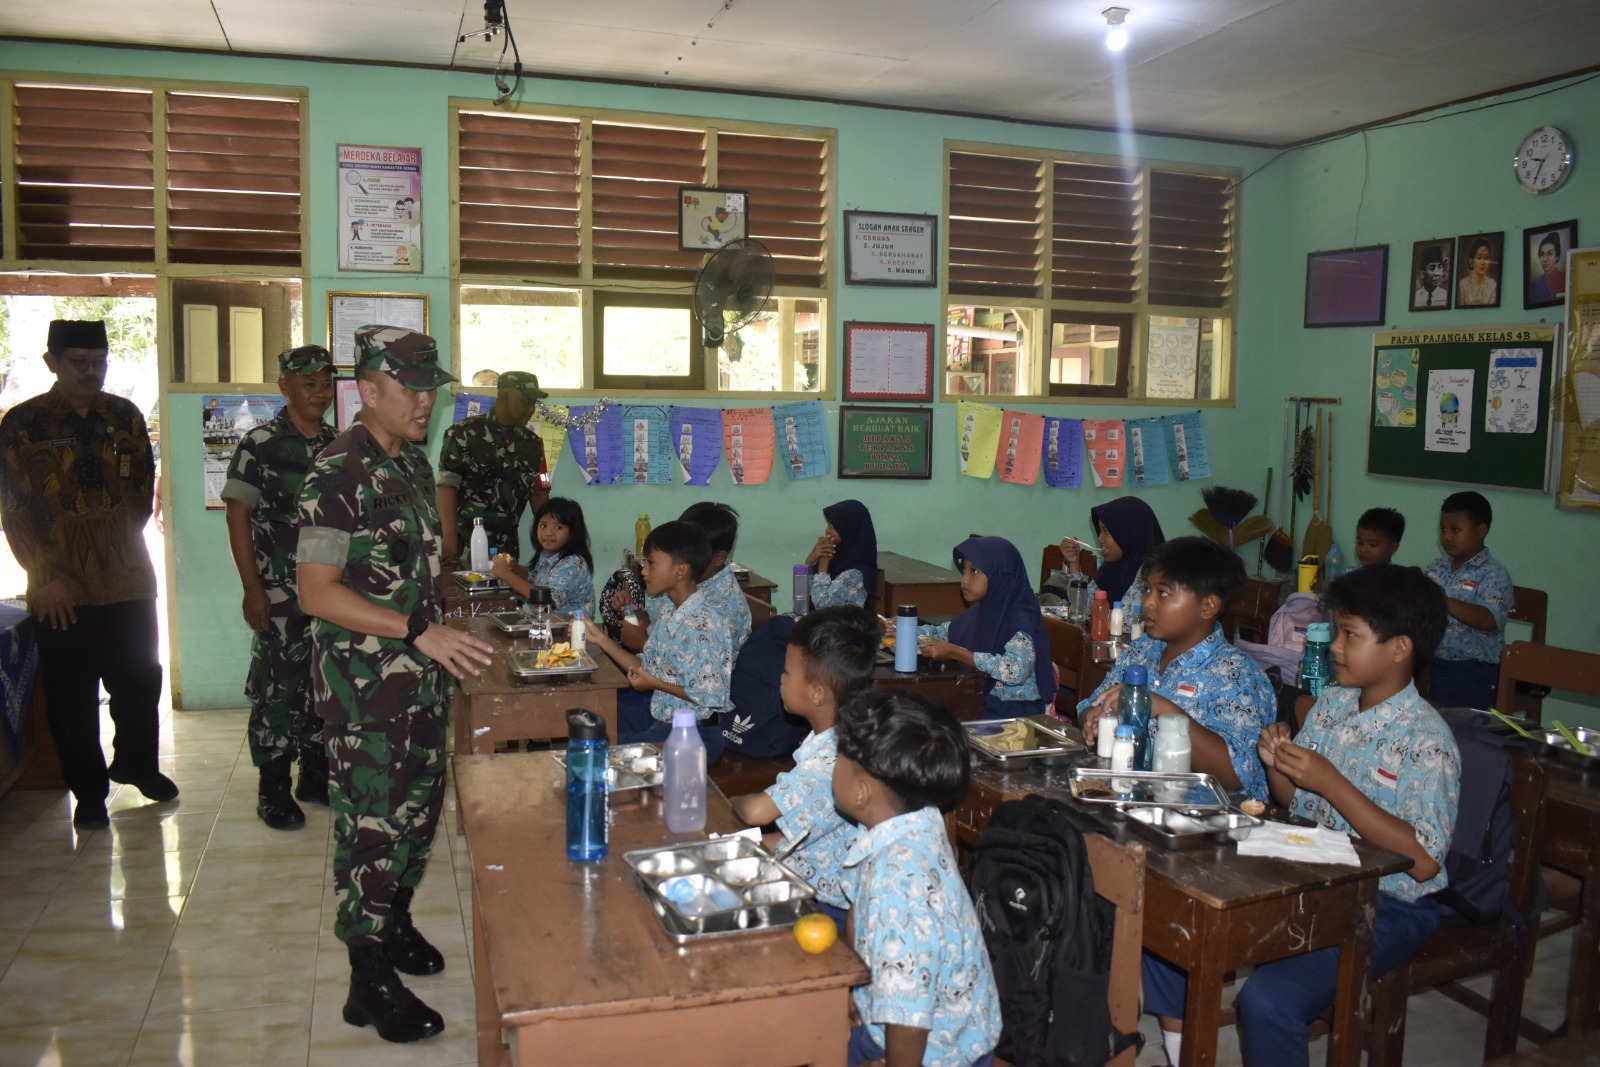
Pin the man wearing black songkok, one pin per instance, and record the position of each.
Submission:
(76, 487)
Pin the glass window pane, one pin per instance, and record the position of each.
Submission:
(778, 352)
(538, 330)
(1084, 353)
(987, 351)
(646, 340)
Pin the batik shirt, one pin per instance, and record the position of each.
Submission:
(1402, 756)
(724, 596)
(804, 797)
(1220, 687)
(75, 494)
(917, 932)
(1012, 670)
(265, 476)
(831, 591)
(1482, 581)
(495, 470)
(569, 580)
(374, 516)
(688, 646)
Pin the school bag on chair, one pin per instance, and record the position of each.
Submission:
(1485, 832)
(1048, 936)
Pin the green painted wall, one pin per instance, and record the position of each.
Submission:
(1427, 180)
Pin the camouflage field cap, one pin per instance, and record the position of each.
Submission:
(409, 357)
(523, 382)
(307, 359)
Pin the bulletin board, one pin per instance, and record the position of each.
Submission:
(1579, 479)
(1469, 406)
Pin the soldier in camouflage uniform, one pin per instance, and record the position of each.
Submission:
(368, 564)
(491, 466)
(262, 496)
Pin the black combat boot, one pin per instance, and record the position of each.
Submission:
(273, 804)
(408, 950)
(313, 785)
(378, 998)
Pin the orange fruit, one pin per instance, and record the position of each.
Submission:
(816, 933)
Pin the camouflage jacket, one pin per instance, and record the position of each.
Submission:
(375, 516)
(495, 470)
(265, 475)
(75, 494)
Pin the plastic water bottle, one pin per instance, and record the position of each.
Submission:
(1133, 608)
(1316, 670)
(588, 809)
(1133, 709)
(641, 531)
(905, 638)
(576, 638)
(802, 588)
(1332, 564)
(1172, 746)
(1122, 749)
(480, 548)
(539, 607)
(1100, 617)
(684, 788)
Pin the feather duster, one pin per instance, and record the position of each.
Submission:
(1303, 468)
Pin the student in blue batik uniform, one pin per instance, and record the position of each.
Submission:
(1375, 759)
(932, 998)
(686, 661)
(1193, 669)
(1001, 633)
(846, 557)
(1378, 535)
(1479, 596)
(562, 562)
(721, 589)
(830, 657)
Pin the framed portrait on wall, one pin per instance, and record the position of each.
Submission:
(1430, 274)
(1480, 258)
(1345, 287)
(1544, 263)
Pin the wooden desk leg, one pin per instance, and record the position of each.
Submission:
(1202, 1010)
(1355, 955)
(1585, 946)
(491, 1052)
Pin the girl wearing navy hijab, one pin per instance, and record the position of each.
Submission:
(846, 557)
(1127, 530)
(1000, 633)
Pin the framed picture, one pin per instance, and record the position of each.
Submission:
(349, 311)
(1345, 287)
(1479, 258)
(888, 361)
(1430, 274)
(1544, 263)
(710, 218)
(885, 442)
(884, 248)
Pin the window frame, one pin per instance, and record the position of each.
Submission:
(602, 299)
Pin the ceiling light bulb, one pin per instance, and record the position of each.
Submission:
(1117, 36)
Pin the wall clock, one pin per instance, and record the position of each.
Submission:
(1543, 160)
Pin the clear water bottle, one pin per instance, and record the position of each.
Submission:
(479, 560)
(905, 638)
(1133, 608)
(1316, 668)
(1332, 564)
(540, 605)
(576, 636)
(1078, 599)
(684, 788)
(1172, 746)
(1133, 709)
(588, 810)
(802, 588)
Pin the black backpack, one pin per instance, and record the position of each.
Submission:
(1486, 830)
(1048, 936)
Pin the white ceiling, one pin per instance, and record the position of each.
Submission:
(1267, 71)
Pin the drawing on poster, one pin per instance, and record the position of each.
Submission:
(1511, 398)
(1449, 411)
(1395, 385)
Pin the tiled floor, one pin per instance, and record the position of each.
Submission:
(190, 934)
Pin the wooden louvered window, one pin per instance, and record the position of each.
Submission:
(520, 193)
(233, 180)
(1088, 266)
(635, 177)
(85, 174)
(787, 181)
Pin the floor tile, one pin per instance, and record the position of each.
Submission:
(46, 992)
(223, 977)
(107, 1042)
(301, 861)
(271, 1035)
(268, 911)
(138, 872)
(235, 827)
(79, 927)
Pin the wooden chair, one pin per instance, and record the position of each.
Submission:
(760, 610)
(1069, 646)
(1524, 663)
(1054, 561)
(1250, 613)
(1529, 606)
(1465, 950)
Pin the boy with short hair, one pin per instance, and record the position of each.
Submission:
(1378, 535)
(1193, 669)
(686, 662)
(1373, 758)
(721, 525)
(1478, 595)
(932, 999)
(829, 658)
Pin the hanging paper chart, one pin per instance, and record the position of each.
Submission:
(597, 445)
(748, 442)
(802, 440)
(1063, 453)
(1147, 453)
(1020, 435)
(696, 441)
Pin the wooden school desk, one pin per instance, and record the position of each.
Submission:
(498, 706)
(935, 590)
(1572, 843)
(458, 603)
(572, 967)
(755, 585)
(956, 686)
(1211, 911)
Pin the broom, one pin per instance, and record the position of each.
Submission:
(1224, 520)
(1279, 548)
(1318, 534)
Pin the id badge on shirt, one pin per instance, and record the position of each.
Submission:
(124, 465)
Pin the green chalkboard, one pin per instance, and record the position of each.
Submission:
(879, 442)
(1467, 406)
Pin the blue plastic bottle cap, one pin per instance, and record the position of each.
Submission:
(1125, 730)
(1136, 676)
(1318, 631)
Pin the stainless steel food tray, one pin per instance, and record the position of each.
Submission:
(1176, 830)
(484, 583)
(1551, 743)
(1015, 741)
(524, 664)
(1182, 792)
(520, 622)
(631, 772)
(726, 885)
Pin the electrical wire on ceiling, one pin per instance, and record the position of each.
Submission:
(495, 22)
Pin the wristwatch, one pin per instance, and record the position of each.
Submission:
(417, 626)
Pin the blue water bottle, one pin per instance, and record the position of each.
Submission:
(587, 800)
(905, 638)
(1133, 709)
(802, 589)
(1316, 670)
